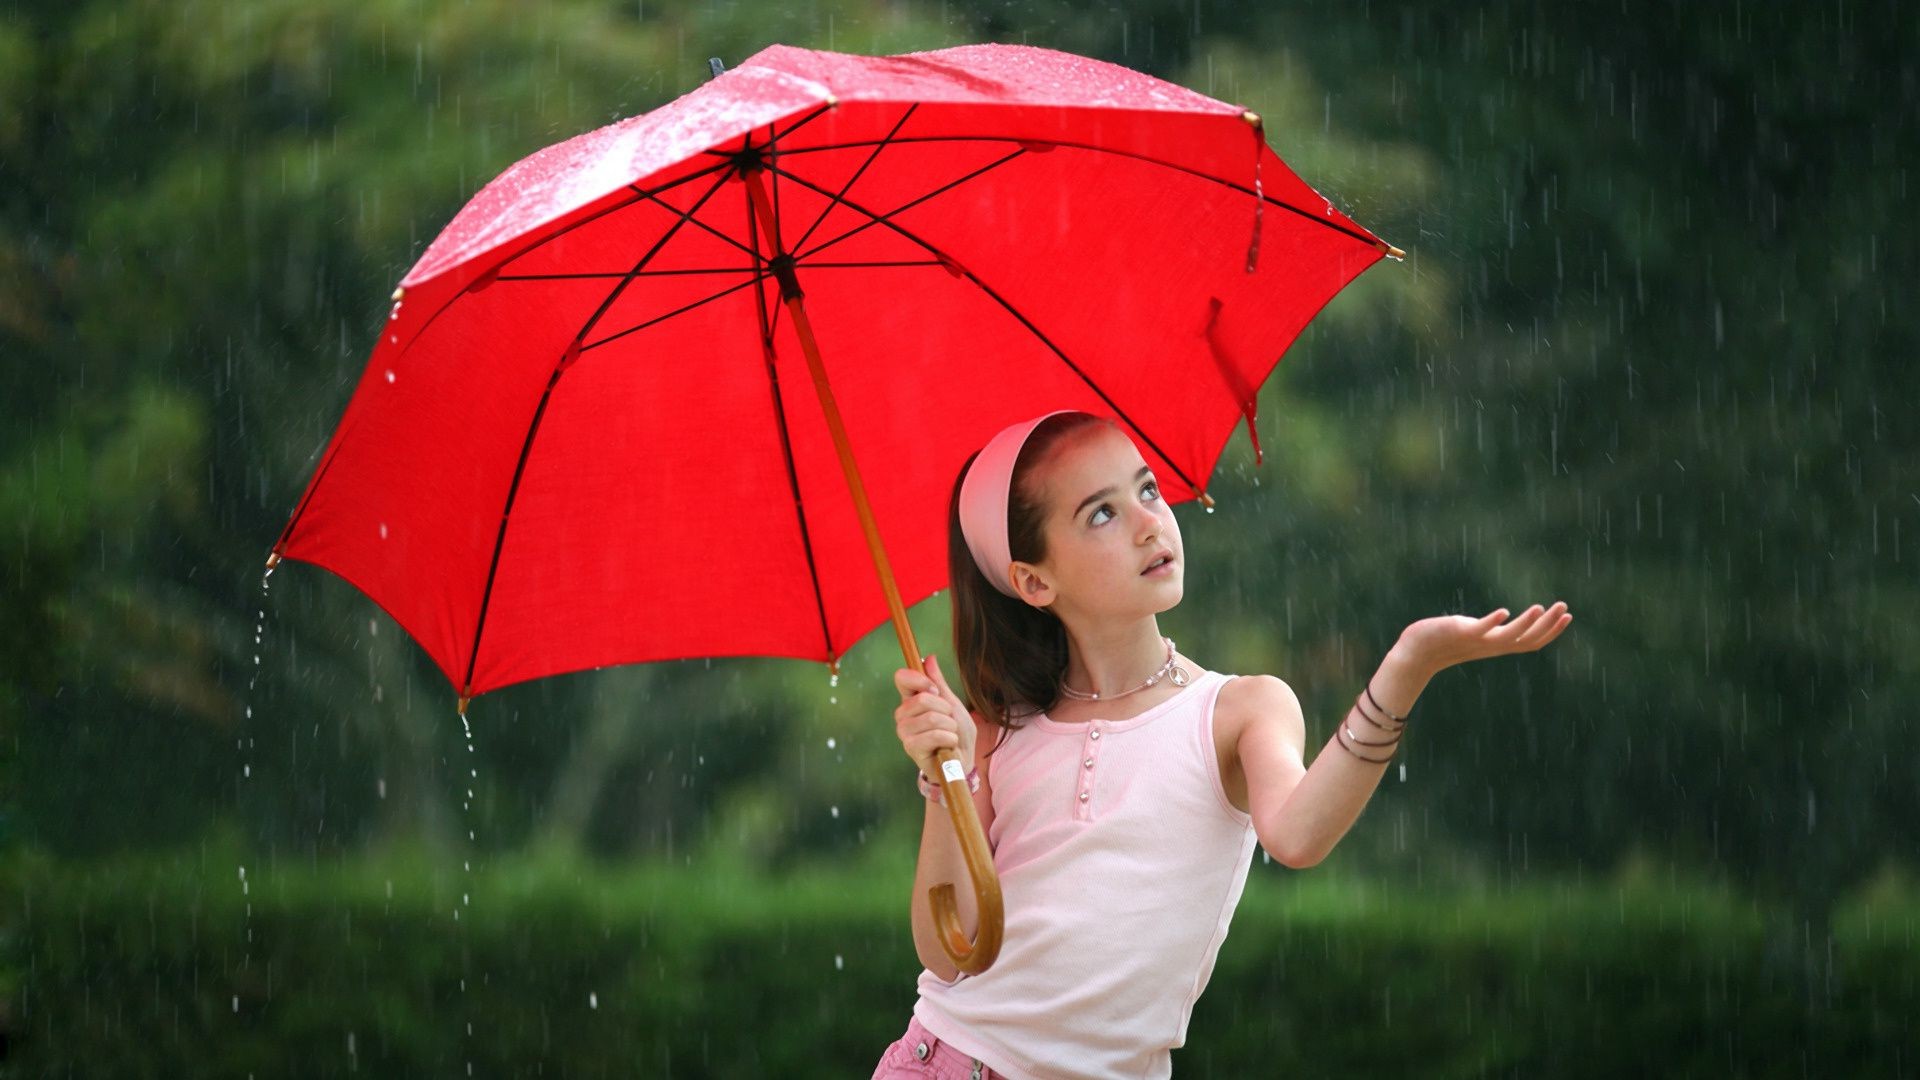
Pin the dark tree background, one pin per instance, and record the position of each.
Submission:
(1651, 352)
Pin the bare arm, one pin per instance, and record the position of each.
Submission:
(1301, 813)
(1300, 821)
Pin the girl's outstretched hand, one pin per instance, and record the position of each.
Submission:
(931, 716)
(1446, 640)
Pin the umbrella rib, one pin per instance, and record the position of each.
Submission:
(1270, 200)
(610, 338)
(844, 265)
(533, 427)
(621, 274)
(780, 414)
(882, 219)
(1015, 312)
(621, 205)
(844, 188)
(300, 509)
(687, 214)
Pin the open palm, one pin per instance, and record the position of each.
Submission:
(1446, 640)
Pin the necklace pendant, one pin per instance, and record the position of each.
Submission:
(1179, 675)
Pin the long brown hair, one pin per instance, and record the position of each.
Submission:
(1010, 653)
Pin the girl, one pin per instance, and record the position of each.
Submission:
(1127, 784)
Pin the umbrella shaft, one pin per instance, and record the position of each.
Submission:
(781, 263)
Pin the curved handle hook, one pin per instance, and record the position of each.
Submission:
(971, 957)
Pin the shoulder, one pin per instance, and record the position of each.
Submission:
(1259, 701)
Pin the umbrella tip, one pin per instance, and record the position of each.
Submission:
(399, 291)
(463, 704)
(715, 67)
(1206, 500)
(1250, 117)
(273, 559)
(1393, 252)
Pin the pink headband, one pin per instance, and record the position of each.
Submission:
(983, 500)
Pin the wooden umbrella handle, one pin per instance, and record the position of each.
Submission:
(972, 957)
(975, 956)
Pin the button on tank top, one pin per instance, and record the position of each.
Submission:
(1121, 862)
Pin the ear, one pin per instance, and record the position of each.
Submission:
(1030, 586)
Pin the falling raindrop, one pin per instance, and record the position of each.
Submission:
(830, 742)
(466, 867)
(246, 769)
(593, 1000)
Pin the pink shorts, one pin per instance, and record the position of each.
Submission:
(921, 1053)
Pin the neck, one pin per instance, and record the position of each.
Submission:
(1114, 658)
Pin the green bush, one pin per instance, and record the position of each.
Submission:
(166, 968)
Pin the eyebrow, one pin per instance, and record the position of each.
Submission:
(1106, 491)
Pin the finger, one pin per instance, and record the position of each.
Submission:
(924, 702)
(934, 673)
(1518, 627)
(929, 741)
(1552, 625)
(1541, 628)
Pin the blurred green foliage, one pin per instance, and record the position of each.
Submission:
(1648, 353)
(162, 967)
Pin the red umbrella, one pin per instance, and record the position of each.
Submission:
(621, 401)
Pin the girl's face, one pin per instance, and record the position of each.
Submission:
(1105, 522)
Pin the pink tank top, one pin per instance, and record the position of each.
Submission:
(1121, 862)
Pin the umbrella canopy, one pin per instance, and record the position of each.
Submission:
(589, 435)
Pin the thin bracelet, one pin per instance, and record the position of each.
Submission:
(1358, 754)
(1397, 732)
(1383, 727)
(1348, 730)
(1382, 708)
(1389, 742)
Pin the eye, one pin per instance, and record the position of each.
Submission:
(1094, 518)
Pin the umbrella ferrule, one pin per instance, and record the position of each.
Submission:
(782, 267)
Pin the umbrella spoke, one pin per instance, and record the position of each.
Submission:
(687, 215)
(883, 219)
(621, 205)
(844, 265)
(1316, 218)
(621, 274)
(610, 338)
(828, 208)
(1011, 310)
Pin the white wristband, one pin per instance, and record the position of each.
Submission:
(949, 769)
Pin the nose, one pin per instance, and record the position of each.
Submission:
(1147, 521)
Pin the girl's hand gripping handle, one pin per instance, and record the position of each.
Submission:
(931, 717)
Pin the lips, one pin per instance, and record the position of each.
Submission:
(1158, 556)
